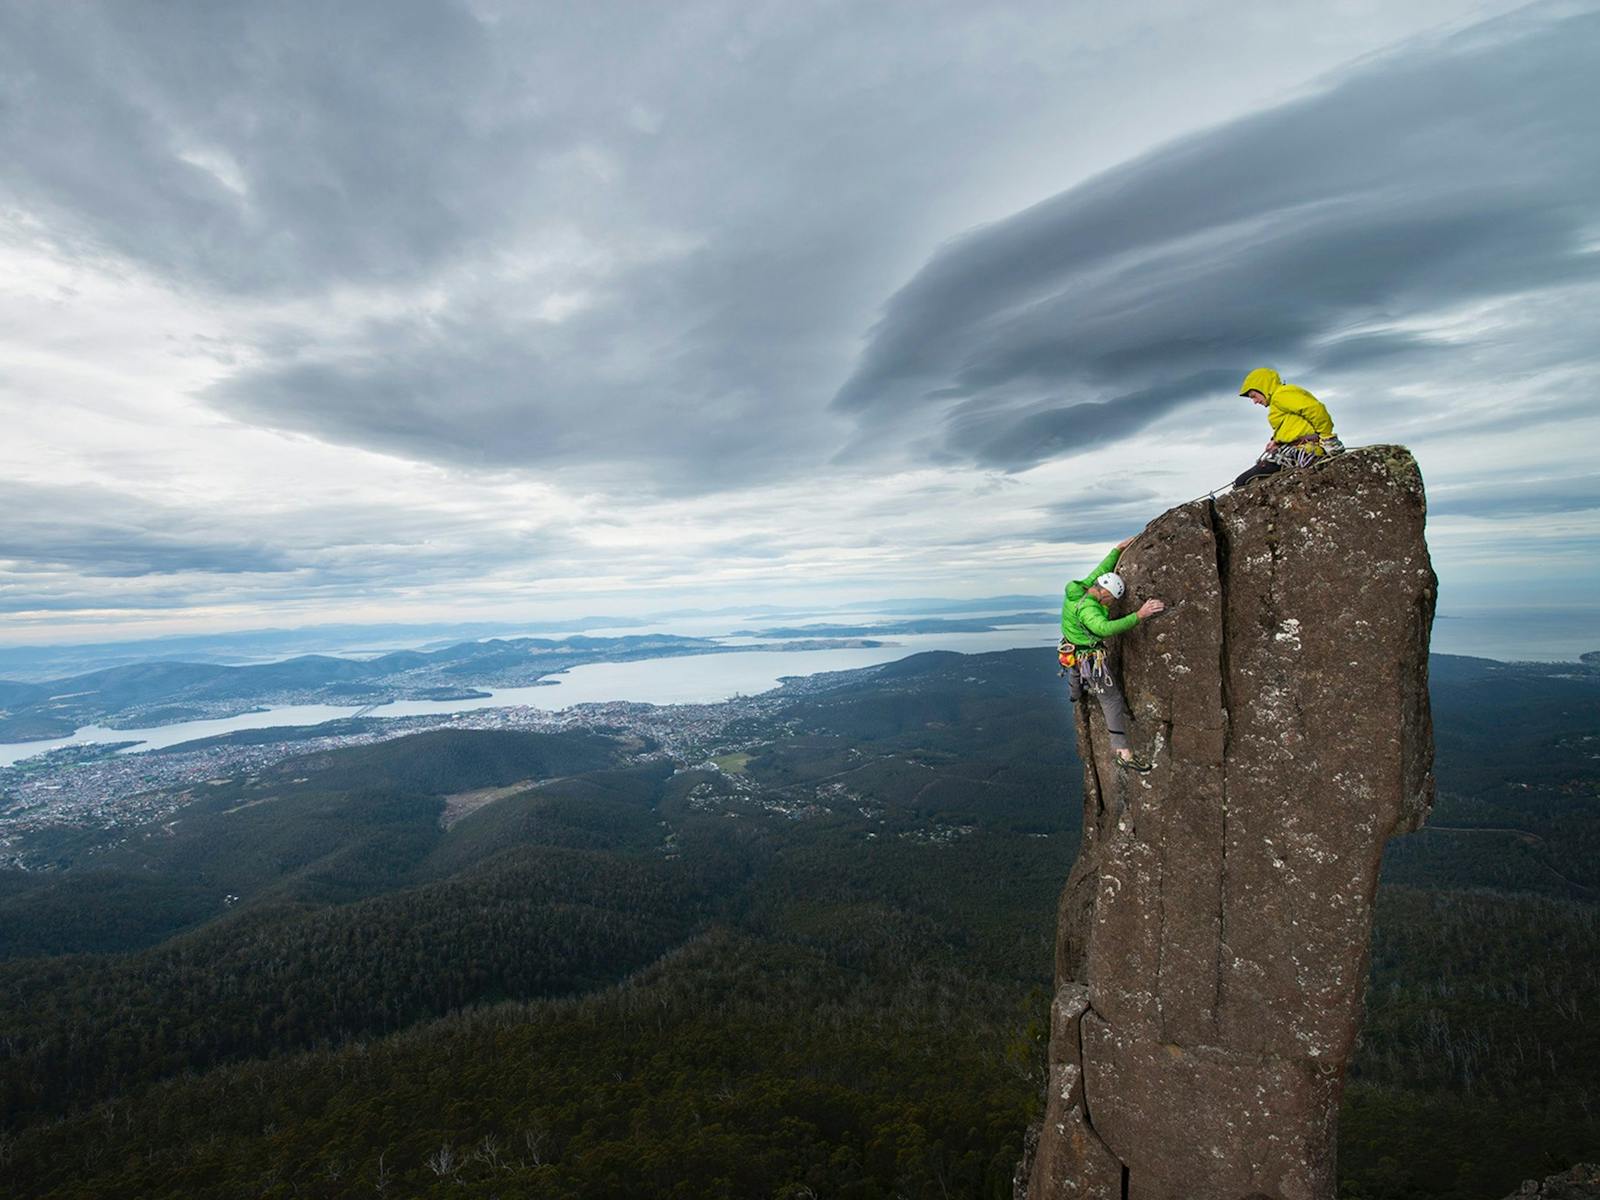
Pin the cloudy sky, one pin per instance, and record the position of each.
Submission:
(455, 309)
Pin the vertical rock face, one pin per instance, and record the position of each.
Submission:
(1212, 948)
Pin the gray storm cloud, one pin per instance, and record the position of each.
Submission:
(253, 148)
(652, 406)
(99, 533)
(706, 193)
(1548, 494)
(625, 260)
(54, 535)
(1303, 236)
(712, 240)
(1110, 513)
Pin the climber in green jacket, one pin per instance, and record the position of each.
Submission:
(1085, 624)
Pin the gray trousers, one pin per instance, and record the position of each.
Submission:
(1112, 706)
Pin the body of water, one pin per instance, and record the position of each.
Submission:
(1517, 634)
(683, 679)
(1550, 636)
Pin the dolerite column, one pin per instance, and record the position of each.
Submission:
(1213, 936)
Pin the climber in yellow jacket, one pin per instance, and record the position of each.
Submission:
(1302, 430)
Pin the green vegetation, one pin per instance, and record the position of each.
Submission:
(820, 970)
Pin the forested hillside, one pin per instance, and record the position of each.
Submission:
(818, 965)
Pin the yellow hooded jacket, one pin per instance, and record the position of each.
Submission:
(1292, 412)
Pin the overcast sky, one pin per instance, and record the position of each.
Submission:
(453, 310)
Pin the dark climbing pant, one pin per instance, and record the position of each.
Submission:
(1112, 706)
(1257, 471)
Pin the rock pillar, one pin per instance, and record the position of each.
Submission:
(1212, 948)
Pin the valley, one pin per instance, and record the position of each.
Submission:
(797, 941)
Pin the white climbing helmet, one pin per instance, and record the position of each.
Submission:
(1112, 582)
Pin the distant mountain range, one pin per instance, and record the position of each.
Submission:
(900, 628)
(141, 684)
(37, 664)
(242, 647)
(153, 693)
(162, 692)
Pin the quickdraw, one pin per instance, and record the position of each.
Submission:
(1094, 670)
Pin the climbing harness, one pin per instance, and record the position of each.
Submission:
(1292, 455)
(1302, 452)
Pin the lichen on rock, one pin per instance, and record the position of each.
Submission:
(1213, 934)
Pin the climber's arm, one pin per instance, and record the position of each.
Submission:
(1319, 418)
(1108, 563)
(1102, 626)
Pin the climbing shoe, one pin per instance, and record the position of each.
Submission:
(1135, 763)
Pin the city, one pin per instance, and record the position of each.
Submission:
(111, 788)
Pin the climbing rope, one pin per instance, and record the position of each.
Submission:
(1311, 466)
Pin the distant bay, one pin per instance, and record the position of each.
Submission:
(685, 679)
(1532, 634)
(1554, 635)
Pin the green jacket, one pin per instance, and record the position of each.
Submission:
(1084, 621)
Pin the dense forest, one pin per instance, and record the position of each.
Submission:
(818, 966)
